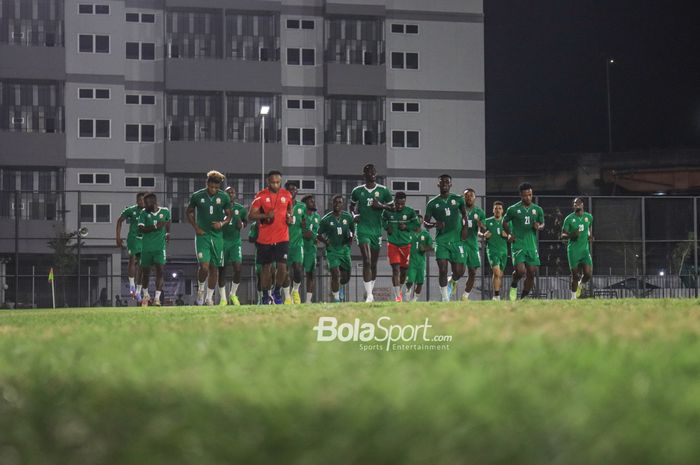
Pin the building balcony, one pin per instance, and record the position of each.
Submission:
(32, 149)
(35, 63)
(349, 159)
(355, 79)
(211, 74)
(226, 156)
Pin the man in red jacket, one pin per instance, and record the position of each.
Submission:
(272, 209)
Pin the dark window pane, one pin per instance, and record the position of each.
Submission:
(84, 93)
(294, 182)
(411, 61)
(50, 39)
(102, 93)
(84, 9)
(148, 18)
(102, 213)
(148, 133)
(308, 104)
(397, 106)
(292, 24)
(413, 186)
(617, 219)
(132, 132)
(412, 139)
(132, 50)
(368, 58)
(309, 136)
(397, 28)
(148, 99)
(293, 56)
(293, 104)
(86, 213)
(293, 136)
(132, 99)
(132, 17)
(368, 137)
(397, 139)
(148, 182)
(308, 57)
(102, 44)
(102, 128)
(411, 29)
(85, 128)
(102, 9)
(174, 51)
(131, 181)
(264, 54)
(397, 60)
(413, 107)
(668, 218)
(85, 178)
(102, 178)
(398, 186)
(85, 43)
(308, 184)
(148, 51)
(307, 24)
(50, 125)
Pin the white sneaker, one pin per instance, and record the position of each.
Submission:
(200, 298)
(369, 299)
(465, 298)
(496, 297)
(209, 303)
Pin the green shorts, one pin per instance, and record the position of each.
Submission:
(497, 259)
(295, 254)
(471, 256)
(133, 246)
(210, 249)
(416, 273)
(309, 259)
(451, 251)
(339, 258)
(155, 257)
(529, 257)
(374, 240)
(232, 253)
(577, 258)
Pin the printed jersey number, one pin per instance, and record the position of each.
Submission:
(370, 200)
(211, 209)
(448, 212)
(340, 230)
(580, 228)
(527, 220)
(498, 231)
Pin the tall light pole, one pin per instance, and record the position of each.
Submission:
(264, 110)
(609, 62)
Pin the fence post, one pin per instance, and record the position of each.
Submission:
(17, 214)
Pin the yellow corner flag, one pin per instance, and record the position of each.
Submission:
(50, 275)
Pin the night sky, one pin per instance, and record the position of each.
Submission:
(545, 75)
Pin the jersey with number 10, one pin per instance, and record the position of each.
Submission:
(448, 210)
(370, 218)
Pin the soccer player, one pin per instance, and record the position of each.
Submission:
(422, 242)
(496, 247)
(253, 238)
(522, 222)
(399, 221)
(448, 210)
(133, 244)
(295, 258)
(213, 210)
(232, 249)
(310, 234)
(335, 231)
(272, 209)
(473, 219)
(366, 204)
(578, 229)
(154, 225)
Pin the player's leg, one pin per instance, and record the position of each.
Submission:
(442, 279)
(235, 282)
(159, 283)
(471, 278)
(309, 270)
(222, 281)
(417, 291)
(530, 272)
(131, 273)
(518, 273)
(497, 276)
(145, 275)
(203, 251)
(335, 283)
(345, 267)
(139, 286)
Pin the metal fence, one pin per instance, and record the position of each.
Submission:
(644, 247)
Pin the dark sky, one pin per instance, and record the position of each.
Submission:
(545, 74)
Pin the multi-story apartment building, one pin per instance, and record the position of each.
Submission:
(102, 99)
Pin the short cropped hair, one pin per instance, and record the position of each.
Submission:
(274, 173)
(400, 196)
(524, 186)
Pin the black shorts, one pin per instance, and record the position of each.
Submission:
(270, 253)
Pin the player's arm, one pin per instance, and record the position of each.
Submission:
(565, 230)
(463, 209)
(227, 219)
(506, 226)
(242, 220)
(146, 229)
(190, 219)
(321, 236)
(290, 211)
(427, 219)
(121, 219)
(427, 246)
(167, 230)
(538, 225)
(256, 212)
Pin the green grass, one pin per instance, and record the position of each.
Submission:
(560, 382)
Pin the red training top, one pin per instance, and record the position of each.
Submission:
(278, 230)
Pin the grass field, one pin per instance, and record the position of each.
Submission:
(558, 382)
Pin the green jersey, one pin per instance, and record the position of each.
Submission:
(496, 243)
(313, 221)
(393, 218)
(474, 215)
(295, 231)
(522, 219)
(582, 224)
(232, 235)
(449, 211)
(132, 215)
(417, 255)
(154, 241)
(336, 230)
(370, 218)
(210, 208)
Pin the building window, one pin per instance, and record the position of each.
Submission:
(398, 28)
(254, 37)
(355, 121)
(303, 184)
(31, 107)
(293, 24)
(301, 136)
(194, 34)
(140, 132)
(140, 51)
(88, 93)
(136, 99)
(91, 9)
(301, 24)
(140, 18)
(132, 18)
(95, 213)
(410, 107)
(355, 41)
(243, 122)
(308, 24)
(93, 43)
(405, 139)
(301, 56)
(140, 181)
(94, 128)
(406, 186)
(94, 178)
(304, 104)
(404, 60)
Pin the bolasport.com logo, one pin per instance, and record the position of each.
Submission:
(381, 334)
